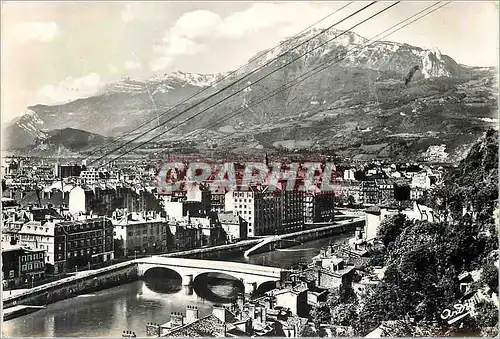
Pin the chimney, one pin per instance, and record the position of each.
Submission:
(191, 314)
(241, 301)
(251, 311)
(219, 312)
(258, 314)
(271, 302)
(153, 330)
(264, 314)
(176, 319)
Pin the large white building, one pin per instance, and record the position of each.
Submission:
(90, 177)
(375, 215)
(259, 205)
(80, 200)
(421, 180)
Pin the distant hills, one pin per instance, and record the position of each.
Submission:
(63, 142)
(358, 108)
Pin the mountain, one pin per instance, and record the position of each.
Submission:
(64, 142)
(358, 107)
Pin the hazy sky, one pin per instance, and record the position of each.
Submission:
(54, 52)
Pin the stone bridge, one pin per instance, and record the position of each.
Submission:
(252, 276)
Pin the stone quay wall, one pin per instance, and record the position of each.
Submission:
(85, 282)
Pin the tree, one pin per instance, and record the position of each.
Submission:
(487, 314)
(320, 314)
(418, 280)
(307, 331)
(344, 314)
(489, 277)
(390, 228)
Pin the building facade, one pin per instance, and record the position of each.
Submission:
(292, 212)
(140, 233)
(318, 207)
(260, 206)
(22, 265)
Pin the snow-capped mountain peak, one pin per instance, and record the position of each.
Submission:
(193, 79)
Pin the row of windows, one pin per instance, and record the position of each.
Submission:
(33, 237)
(36, 227)
(243, 194)
(85, 235)
(75, 254)
(85, 226)
(243, 200)
(30, 266)
(30, 257)
(82, 242)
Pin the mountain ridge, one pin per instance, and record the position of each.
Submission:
(362, 79)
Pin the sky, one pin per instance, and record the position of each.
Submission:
(56, 52)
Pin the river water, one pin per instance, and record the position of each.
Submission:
(109, 312)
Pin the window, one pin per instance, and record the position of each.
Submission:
(29, 257)
(23, 258)
(24, 267)
(114, 233)
(30, 266)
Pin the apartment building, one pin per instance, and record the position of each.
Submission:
(69, 244)
(21, 265)
(82, 242)
(139, 233)
(261, 206)
(292, 211)
(90, 177)
(318, 206)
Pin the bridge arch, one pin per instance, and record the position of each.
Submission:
(252, 276)
(218, 286)
(265, 286)
(162, 279)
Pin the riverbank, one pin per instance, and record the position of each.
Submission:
(129, 306)
(282, 241)
(85, 282)
(122, 273)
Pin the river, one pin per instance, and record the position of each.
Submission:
(129, 307)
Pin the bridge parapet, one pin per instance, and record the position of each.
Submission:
(252, 276)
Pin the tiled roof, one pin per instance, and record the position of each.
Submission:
(209, 326)
(228, 218)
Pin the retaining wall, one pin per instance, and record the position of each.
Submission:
(70, 287)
